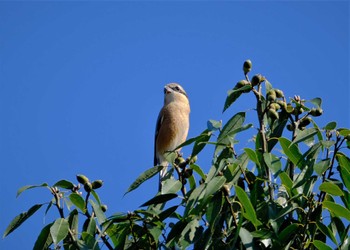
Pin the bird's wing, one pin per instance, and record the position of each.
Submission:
(159, 124)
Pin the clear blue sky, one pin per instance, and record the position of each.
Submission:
(81, 84)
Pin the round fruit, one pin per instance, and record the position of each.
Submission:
(247, 66)
(82, 179)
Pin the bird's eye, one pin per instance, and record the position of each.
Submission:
(177, 88)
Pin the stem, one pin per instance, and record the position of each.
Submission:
(56, 193)
(262, 128)
(338, 144)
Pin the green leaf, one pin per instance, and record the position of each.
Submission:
(44, 239)
(291, 150)
(214, 209)
(59, 230)
(214, 125)
(321, 166)
(343, 131)
(286, 181)
(64, 184)
(304, 135)
(201, 142)
(232, 96)
(78, 201)
(73, 222)
(337, 209)
(276, 132)
(248, 209)
(231, 127)
(272, 162)
(143, 177)
(331, 188)
(162, 198)
(288, 232)
(317, 102)
(268, 86)
(91, 228)
(100, 215)
(95, 195)
(198, 170)
(90, 241)
(22, 189)
(330, 126)
(214, 185)
(320, 245)
(252, 156)
(344, 163)
(171, 186)
(303, 176)
(19, 219)
(176, 230)
(326, 231)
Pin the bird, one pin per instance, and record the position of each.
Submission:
(172, 126)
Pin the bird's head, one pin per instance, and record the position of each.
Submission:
(174, 92)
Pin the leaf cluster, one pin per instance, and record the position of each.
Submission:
(290, 190)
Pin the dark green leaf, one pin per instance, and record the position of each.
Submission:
(168, 212)
(64, 184)
(201, 142)
(344, 163)
(331, 188)
(59, 230)
(44, 239)
(337, 209)
(276, 132)
(248, 209)
(176, 230)
(330, 126)
(143, 177)
(288, 232)
(19, 219)
(304, 135)
(73, 222)
(100, 215)
(232, 96)
(78, 201)
(321, 245)
(22, 189)
(90, 241)
(326, 231)
(214, 209)
(162, 198)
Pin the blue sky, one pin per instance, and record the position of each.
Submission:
(81, 84)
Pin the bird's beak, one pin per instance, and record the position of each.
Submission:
(167, 90)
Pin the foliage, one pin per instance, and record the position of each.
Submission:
(289, 191)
